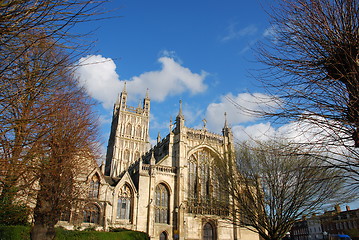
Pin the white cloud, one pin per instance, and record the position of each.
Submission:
(98, 75)
(261, 132)
(234, 33)
(172, 79)
(237, 109)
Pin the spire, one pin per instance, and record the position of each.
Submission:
(147, 94)
(158, 137)
(180, 114)
(124, 88)
(225, 120)
(226, 129)
(171, 124)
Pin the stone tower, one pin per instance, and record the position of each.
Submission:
(129, 138)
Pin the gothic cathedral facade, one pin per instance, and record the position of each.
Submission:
(167, 191)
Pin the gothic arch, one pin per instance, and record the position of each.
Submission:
(138, 131)
(204, 147)
(166, 185)
(209, 231)
(92, 213)
(129, 129)
(164, 235)
(94, 186)
(204, 193)
(126, 155)
(162, 204)
(125, 202)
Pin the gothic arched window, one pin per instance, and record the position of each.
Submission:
(192, 178)
(124, 204)
(208, 232)
(126, 156)
(199, 176)
(138, 131)
(91, 213)
(161, 204)
(129, 129)
(137, 156)
(94, 186)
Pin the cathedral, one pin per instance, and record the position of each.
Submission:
(169, 190)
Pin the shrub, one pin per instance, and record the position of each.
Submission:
(15, 232)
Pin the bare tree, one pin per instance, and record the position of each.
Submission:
(312, 72)
(70, 142)
(269, 187)
(46, 122)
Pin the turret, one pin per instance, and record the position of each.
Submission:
(123, 97)
(146, 104)
(180, 117)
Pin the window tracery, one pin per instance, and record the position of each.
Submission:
(94, 186)
(161, 204)
(205, 196)
(124, 204)
(91, 213)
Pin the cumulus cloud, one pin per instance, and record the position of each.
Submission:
(237, 108)
(260, 131)
(172, 79)
(98, 75)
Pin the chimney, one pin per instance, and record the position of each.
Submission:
(337, 208)
(347, 207)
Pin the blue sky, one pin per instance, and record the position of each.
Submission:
(199, 51)
(195, 51)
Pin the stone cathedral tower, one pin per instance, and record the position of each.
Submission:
(129, 138)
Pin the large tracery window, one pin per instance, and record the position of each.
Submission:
(94, 187)
(199, 176)
(205, 195)
(161, 204)
(91, 213)
(124, 205)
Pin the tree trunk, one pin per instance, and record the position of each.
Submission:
(42, 232)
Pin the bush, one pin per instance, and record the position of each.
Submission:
(23, 233)
(62, 234)
(12, 213)
(14, 232)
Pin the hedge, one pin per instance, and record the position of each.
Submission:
(23, 233)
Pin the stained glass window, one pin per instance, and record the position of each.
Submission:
(124, 204)
(161, 204)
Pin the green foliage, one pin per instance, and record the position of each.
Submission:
(12, 213)
(15, 232)
(23, 233)
(112, 229)
(62, 234)
(93, 228)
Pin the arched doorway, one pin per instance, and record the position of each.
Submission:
(163, 236)
(208, 232)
